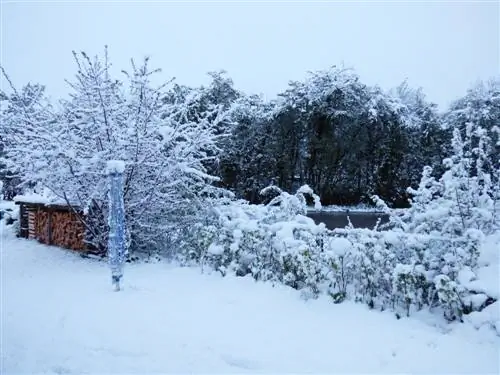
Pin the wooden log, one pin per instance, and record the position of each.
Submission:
(67, 231)
(31, 224)
(49, 226)
(23, 221)
(41, 225)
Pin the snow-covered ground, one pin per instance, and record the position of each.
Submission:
(8, 209)
(7, 205)
(59, 315)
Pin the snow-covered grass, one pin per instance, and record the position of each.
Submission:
(59, 315)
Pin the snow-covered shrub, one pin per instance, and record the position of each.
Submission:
(397, 270)
(409, 287)
(274, 242)
(394, 270)
(341, 261)
(372, 281)
(450, 218)
(286, 206)
(295, 253)
(240, 235)
(226, 238)
(451, 296)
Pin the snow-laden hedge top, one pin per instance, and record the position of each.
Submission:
(397, 270)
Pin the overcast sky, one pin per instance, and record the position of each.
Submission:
(442, 47)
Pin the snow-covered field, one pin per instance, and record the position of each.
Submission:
(59, 315)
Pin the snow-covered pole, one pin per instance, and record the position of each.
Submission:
(116, 221)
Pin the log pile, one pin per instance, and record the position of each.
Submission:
(67, 230)
(51, 225)
(41, 226)
(31, 224)
(23, 222)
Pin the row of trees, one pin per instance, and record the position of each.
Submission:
(346, 140)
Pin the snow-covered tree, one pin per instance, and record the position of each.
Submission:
(477, 116)
(465, 196)
(247, 163)
(25, 116)
(429, 140)
(65, 149)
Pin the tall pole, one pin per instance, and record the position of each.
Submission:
(116, 221)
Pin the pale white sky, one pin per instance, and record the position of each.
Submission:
(441, 46)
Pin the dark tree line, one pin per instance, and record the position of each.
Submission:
(345, 139)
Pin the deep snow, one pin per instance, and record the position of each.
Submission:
(59, 315)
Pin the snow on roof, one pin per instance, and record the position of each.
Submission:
(31, 198)
(44, 199)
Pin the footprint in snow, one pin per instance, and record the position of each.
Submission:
(240, 363)
(432, 345)
(61, 370)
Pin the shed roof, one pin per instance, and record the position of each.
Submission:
(34, 199)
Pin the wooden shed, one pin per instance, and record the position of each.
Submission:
(52, 224)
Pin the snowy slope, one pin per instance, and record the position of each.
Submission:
(59, 315)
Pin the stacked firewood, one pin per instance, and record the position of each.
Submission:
(42, 226)
(67, 231)
(32, 224)
(56, 227)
